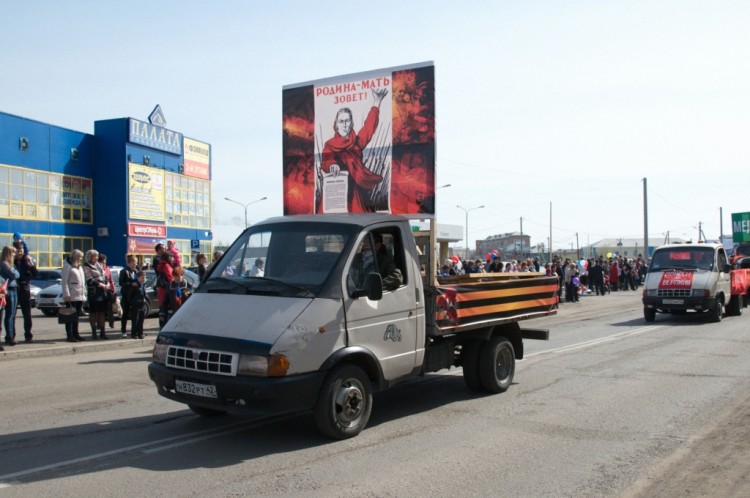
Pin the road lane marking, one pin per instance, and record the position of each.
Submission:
(13, 475)
(578, 345)
(594, 342)
(251, 425)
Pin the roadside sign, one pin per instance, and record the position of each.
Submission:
(741, 227)
(195, 244)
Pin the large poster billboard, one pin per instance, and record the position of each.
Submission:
(361, 143)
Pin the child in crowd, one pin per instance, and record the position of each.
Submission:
(177, 292)
(138, 307)
(172, 249)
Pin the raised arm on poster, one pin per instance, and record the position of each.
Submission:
(343, 152)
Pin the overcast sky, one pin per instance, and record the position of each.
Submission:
(571, 103)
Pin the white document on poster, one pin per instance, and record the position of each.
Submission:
(335, 189)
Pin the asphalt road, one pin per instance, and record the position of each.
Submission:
(610, 406)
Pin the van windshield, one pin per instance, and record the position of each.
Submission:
(683, 258)
(287, 258)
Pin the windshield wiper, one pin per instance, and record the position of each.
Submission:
(213, 280)
(306, 292)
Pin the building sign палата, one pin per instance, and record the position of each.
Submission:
(155, 137)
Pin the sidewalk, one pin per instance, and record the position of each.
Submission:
(50, 339)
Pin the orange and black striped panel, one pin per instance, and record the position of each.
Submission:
(463, 304)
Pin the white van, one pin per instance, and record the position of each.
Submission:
(688, 277)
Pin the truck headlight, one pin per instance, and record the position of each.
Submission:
(275, 365)
(701, 293)
(159, 354)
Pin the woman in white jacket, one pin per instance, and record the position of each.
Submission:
(74, 290)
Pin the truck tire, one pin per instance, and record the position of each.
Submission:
(206, 412)
(344, 402)
(735, 305)
(717, 312)
(649, 314)
(470, 364)
(497, 364)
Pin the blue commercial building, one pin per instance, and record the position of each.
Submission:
(122, 190)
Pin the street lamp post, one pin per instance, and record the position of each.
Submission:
(244, 206)
(466, 211)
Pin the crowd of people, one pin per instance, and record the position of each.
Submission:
(17, 269)
(86, 278)
(597, 276)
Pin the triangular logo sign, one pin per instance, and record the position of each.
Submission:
(156, 117)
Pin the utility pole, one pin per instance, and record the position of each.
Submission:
(645, 219)
(549, 246)
(578, 248)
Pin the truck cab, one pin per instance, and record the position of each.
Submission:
(688, 277)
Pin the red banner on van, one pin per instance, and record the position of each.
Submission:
(676, 280)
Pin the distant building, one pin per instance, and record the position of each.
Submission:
(514, 245)
(625, 247)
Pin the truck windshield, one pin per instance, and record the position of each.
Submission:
(683, 258)
(287, 258)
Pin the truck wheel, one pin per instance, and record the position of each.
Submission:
(717, 312)
(470, 364)
(497, 364)
(344, 403)
(206, 412)
(649, 314)
(735, 305)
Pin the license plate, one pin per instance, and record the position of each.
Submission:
(46, 300)
(204, 390)
(673, 301)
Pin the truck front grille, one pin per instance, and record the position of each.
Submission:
(674, 292)
(202, 360)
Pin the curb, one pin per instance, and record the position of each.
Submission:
(11, 353)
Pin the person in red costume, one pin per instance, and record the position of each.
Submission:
(343, 152)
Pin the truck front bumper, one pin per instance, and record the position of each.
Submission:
(248, 395)
(679, 303)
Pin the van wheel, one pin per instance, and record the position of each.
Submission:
(206, 412)
(497, 364)
(470, 364)
(735, 305)
(717, 312)
(649, 314)
(344, 403)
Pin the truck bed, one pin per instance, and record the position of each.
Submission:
(481, 300)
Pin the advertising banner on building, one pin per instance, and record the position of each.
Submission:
(145, 193)
(147, 230)
(361, 142)
(140, 245)
(740, 227)
(197, 159)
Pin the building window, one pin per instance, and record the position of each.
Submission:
(37, 195)
(188, 201)
(50, 252)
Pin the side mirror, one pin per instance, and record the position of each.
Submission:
(727, 268)
(374, 286)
